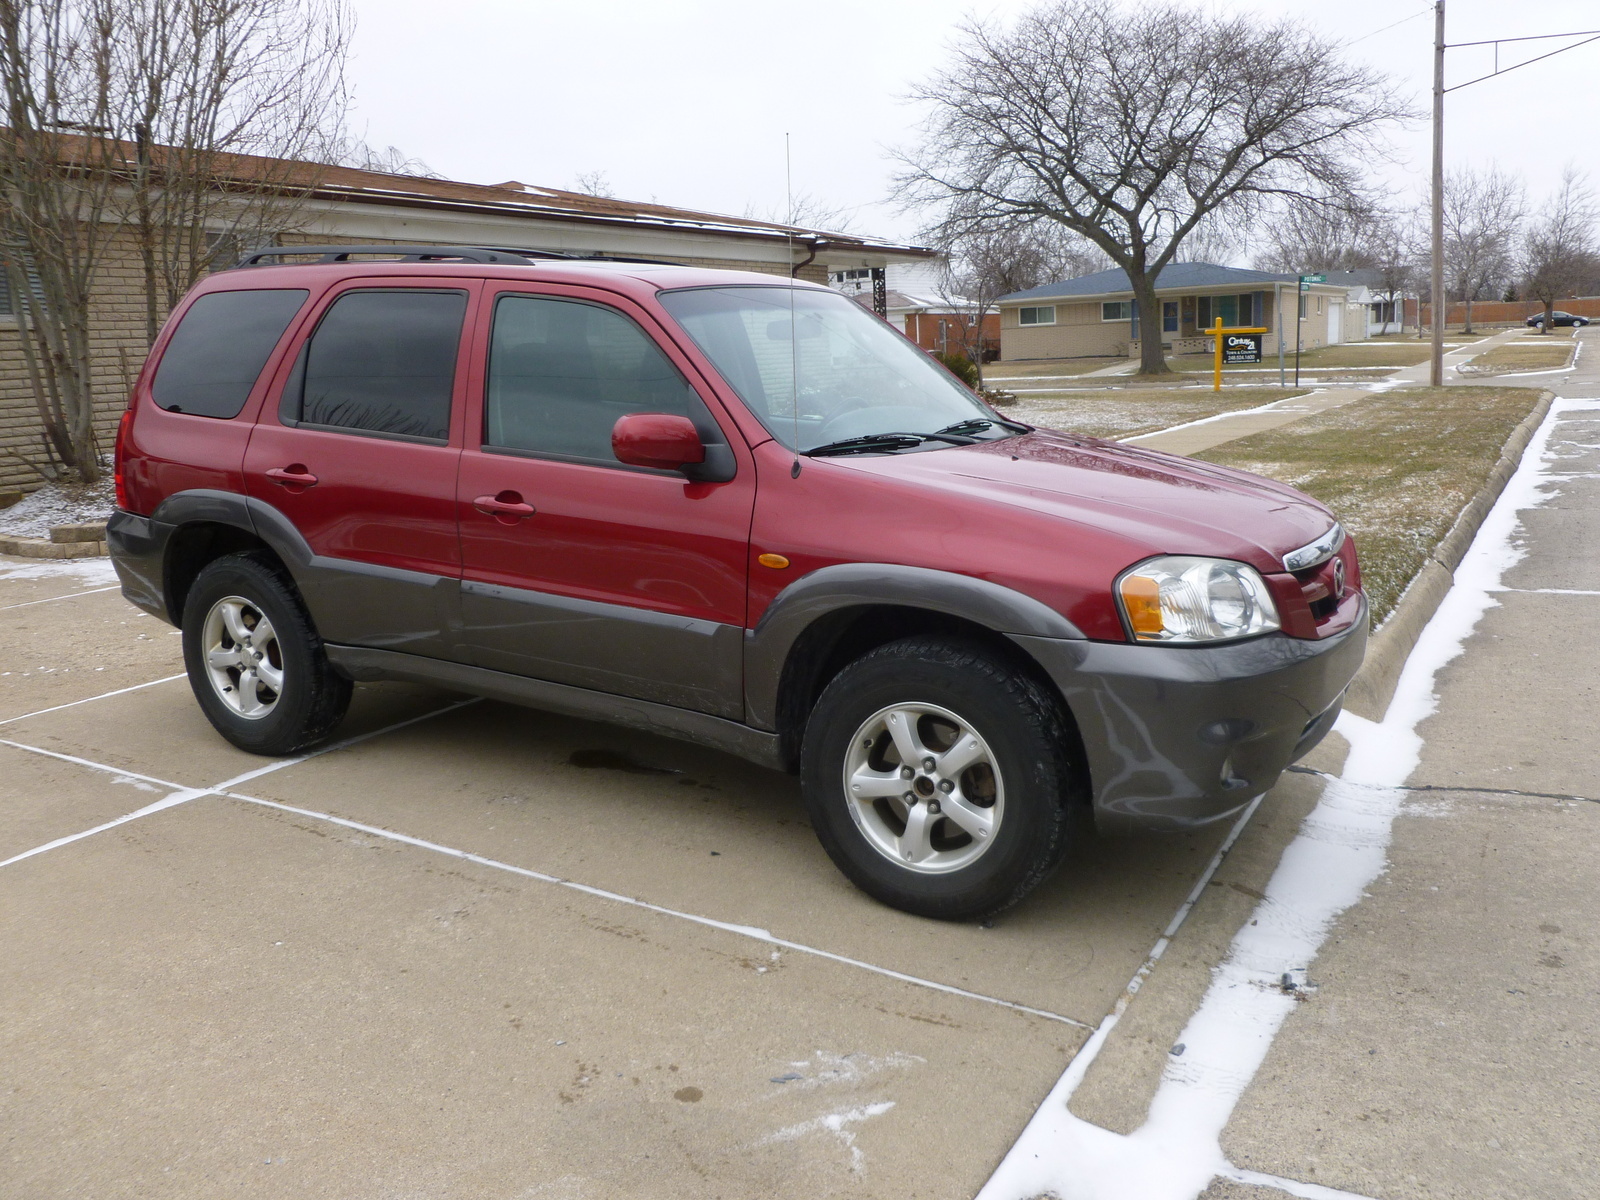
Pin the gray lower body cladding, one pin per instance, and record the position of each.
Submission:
(1178, 736)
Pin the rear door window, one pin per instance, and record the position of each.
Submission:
(219, 348)
(562, 371)
(380, 362)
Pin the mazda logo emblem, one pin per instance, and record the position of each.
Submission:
(1338, 579)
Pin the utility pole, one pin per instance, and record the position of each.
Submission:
(1440, 301)
(1436, 283)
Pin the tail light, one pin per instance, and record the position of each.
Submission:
(119, 461)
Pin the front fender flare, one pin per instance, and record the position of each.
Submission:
(863, 585)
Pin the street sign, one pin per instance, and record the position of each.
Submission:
(1307, 280)
(1241, 348)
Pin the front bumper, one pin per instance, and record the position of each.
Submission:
(1177, 736)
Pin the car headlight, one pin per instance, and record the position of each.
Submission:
(1181, 599)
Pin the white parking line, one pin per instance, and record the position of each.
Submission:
(51, 599)
(749, 931)
(181, 794)
(90, 699)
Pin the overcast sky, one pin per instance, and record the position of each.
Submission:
(687, 101)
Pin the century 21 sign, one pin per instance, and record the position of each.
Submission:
(1241, 348)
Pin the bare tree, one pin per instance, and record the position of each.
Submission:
(388, 160)
(1131, 127)
(986, 263)
(1483, 214)
(594, 183)
(229, 103)
(1312, 239)
(805, 211)
(1559, 251)
(58, 171)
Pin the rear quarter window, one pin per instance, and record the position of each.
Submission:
(219, 348)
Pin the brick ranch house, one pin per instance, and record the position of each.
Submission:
(345, 205)
(1094, 316)
(916, 303)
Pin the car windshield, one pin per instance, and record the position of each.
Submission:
(826, 376)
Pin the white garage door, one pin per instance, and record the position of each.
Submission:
(1335, 324)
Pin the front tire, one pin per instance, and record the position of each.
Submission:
(938, 778)
(255, 662)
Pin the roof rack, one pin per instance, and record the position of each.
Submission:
(597, 256)
(406, 254)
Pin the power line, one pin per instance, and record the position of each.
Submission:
(1403, 20)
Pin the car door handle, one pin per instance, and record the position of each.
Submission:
(294, 475)
(505, 506)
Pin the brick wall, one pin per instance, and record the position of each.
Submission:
(1514, 312)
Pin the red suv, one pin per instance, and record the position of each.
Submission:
(727, 508)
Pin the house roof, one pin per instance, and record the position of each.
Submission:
(1174, 277)
(512, 198)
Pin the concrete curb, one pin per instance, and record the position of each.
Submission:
(1373, 687)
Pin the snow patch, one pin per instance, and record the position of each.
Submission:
(1340, 850)
(824, 1070)
(838, 1124)
(59, 504)
(92, 571)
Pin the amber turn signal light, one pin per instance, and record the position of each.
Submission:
(776, 561)
(1141, 600)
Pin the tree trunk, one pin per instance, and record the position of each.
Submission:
(1549, 316)
(1152, 361)
(1467, 328)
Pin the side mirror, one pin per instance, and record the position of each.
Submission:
(660, 440)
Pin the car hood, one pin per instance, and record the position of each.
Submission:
(1160, 503)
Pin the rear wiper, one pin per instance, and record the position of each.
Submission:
(884, 441)
(979, 424)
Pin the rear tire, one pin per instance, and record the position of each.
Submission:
(938, 779)
(255, 662)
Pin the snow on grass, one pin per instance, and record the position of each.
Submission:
(1118, 413)
(59, 504)
(1341, 848)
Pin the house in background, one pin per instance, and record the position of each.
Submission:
(917, 303)
(344, 205)
(1386, 311)
(1094, 316)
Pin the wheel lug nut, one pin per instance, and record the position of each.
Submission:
(906, 772)
(927, 764)
(910, 798)
(947, 786)
(933, 807)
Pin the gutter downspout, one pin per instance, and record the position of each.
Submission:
(794, 271)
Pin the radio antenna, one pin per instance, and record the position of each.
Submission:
(794, 345)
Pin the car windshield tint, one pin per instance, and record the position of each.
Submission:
(818, 369)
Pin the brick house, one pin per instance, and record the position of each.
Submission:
(1095, 315)
(345, 205)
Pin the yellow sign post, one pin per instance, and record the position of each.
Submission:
(1218, 333)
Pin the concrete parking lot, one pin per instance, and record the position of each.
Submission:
(469, 949)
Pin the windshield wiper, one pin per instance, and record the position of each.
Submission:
(979, 424)
(885, 441)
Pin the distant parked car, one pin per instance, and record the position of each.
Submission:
(1557, 320)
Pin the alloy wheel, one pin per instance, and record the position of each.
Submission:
(923, 788)
(244, 660)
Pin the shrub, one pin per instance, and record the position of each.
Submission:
(962, 367)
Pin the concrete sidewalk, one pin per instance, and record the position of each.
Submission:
(1453, 1046)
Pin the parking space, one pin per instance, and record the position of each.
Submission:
(474, 949)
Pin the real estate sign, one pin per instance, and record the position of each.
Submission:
(1241, 348)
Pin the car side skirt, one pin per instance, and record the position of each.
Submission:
(754, 745)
